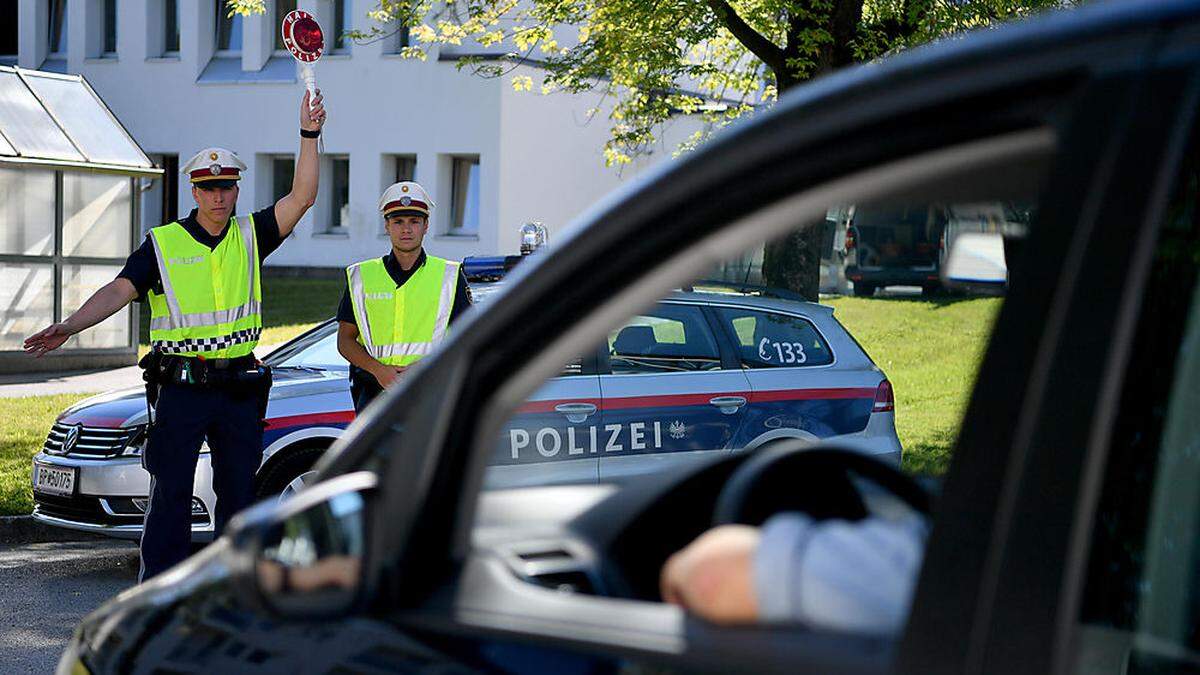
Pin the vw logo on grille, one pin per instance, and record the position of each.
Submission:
(71, 438)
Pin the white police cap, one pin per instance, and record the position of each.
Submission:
(405, 196)
(214, 164)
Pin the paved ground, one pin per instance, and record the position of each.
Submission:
(77, 382)
(48, 587)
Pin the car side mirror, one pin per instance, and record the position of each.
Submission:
(303, 557)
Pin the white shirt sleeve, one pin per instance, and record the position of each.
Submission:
(852, 576)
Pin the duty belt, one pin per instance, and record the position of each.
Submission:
(166, 368)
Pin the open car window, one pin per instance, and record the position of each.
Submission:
(732, 364)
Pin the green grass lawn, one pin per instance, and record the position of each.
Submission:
(930, 350)
(24, 423)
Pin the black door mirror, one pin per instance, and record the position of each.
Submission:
(303, 557)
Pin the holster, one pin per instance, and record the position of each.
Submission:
(153, 375)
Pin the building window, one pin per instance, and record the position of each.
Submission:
(171, 27)
(110, 28)
(342, 22)
(398, 40)
(405, 168)
(339, 192)
(58, 28)
(464, 201)
(8, 34)
(229, 31)
(283, 169)
(282, 7)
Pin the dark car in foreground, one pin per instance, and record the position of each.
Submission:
(1063, 540)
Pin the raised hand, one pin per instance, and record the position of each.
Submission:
(312, 113)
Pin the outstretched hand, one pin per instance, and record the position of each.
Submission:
(312, 113)
(47, 340)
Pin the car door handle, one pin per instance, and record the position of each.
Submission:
(728, 404)
(576, 412)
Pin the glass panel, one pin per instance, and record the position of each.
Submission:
(339, 216)
(282, 171)
(229, 29)
(770, 340)
(406, 168)
(27, 125)
(87, 121)
(26, 212)
(666, 340)
(58, 27)
(97, 215)
(8, 32)
(464, 210)
(110, 26)
(26, 302)
(79, 282)
(171, 27)
(342, 22)
(282, 7)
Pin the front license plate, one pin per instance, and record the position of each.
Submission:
(54, 480)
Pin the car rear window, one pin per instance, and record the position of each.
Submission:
(771, 340)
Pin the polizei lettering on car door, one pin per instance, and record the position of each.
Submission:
(544, 443)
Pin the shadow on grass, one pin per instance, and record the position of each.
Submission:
(938, 301)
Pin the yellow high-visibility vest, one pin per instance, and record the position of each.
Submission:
(211, 304)
(400, 326)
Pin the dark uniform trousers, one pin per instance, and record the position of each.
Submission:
(231, 419)
(363, 389)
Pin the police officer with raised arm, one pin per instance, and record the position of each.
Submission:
(201, 277)
(397, 308)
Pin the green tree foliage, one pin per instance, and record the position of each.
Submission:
(653, 59)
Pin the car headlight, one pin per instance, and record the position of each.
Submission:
(137, 441)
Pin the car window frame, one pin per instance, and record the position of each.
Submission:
(401, 551)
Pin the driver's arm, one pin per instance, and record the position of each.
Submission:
(853, 576)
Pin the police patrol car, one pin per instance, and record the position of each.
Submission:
(702, 373)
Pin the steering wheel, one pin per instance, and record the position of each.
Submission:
(798, 477)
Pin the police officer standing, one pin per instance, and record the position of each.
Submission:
(201, 277)
(396, 308)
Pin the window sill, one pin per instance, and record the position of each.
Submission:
(165, 58)
(457, 237)
(111, 58)
(339, 56)
(396, 56)
(331, 235)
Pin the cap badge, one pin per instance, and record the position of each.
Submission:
(405, 200)
(215, 169)
(404, 188)
(212, 156)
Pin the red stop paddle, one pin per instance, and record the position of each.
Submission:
(303, 37)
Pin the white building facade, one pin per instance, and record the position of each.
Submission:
(181, 76)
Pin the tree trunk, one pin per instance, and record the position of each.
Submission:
(794, 262)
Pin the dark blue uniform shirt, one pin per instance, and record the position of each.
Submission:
(141, 267)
